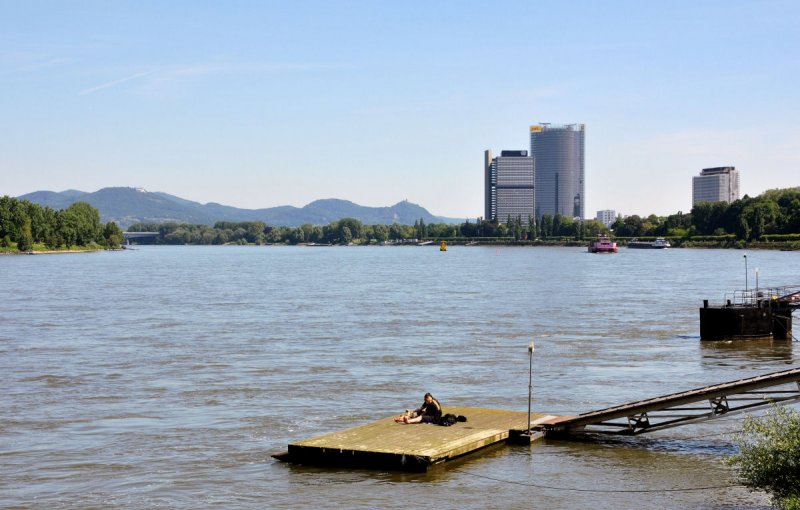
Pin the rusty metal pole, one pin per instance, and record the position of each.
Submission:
(530, 383)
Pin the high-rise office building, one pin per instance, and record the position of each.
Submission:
(558, 151)
(719, 184)
(509, 181)
(607, 217)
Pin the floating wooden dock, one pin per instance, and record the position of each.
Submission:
(385, 444)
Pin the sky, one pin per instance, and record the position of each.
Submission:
(259, 104)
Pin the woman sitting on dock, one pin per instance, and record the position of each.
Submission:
(429, 412)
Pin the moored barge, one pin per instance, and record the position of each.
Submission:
(659, 244)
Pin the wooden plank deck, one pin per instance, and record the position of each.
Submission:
(385, 444)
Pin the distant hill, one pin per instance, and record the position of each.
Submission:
(127, 206)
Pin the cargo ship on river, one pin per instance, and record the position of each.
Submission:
(658, 244)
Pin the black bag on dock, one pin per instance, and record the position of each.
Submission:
(451, 419)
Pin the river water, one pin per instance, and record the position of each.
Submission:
(166, 376)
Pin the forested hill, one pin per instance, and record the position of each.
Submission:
(127, 206)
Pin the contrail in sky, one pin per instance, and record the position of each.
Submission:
(113, 83)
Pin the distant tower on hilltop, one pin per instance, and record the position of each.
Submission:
(509, 186)
(558, 151)
(719, 184)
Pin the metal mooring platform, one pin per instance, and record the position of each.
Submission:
(760, 313)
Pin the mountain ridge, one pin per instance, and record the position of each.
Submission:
(127, 206)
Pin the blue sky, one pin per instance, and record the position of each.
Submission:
(259, 104)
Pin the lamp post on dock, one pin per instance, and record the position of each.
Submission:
(530, 383)
(525, 436)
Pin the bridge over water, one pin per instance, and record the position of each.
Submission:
(138, 235)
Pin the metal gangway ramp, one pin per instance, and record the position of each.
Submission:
(682, 408)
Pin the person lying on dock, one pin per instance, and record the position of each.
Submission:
(429, 412)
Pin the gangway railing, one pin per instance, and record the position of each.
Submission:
(784, 295)
(685, 407)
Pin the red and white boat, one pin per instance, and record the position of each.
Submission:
(602, 245)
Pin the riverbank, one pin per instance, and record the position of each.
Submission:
(686, 243)
(41, 250)
(675, 242)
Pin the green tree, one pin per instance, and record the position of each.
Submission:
(7, 225)
(83, 223)
(220, 238)
(593, 228)
(178, 236)
(502, 230)
(708, 216)
(420, 229)
(296, 235)
(308, 232)
(743, 228)
(278, 235)
(769, 455)
(629, 226)
(468, 229)
(558, 222)
(396, 232)
(354, 226)
(47, 232)
(533, 230)
(38, 222)
(347, 235)
(579, 229)
(517, 228)
(208, 236)
(380, 232)
(255, 232)
(564, 226)
(112, 236)
(24, 237)
(651, 225)
(546, 228)
(676, 224)
(317, 234)
(761, 215)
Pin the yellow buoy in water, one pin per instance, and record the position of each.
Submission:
(443, 246)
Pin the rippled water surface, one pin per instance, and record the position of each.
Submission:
(166, 376)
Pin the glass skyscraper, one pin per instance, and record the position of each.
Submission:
(559, 159)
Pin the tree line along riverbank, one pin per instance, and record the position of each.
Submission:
(26, 227)
(769, 221)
